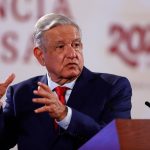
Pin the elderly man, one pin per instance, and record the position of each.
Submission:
(68, 105)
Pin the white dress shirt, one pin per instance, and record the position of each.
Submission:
(66, 121)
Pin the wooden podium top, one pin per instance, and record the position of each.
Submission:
(134, 134)
(122, 134)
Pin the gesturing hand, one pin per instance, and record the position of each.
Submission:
(52, 105)
(5, 84)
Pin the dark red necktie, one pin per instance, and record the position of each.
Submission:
(61, 91)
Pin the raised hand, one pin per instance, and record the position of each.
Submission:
(52, 105)
(5, 84)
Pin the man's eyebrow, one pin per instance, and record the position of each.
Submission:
(78, 39)
(57, 42)
(61, 41)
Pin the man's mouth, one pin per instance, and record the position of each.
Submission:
(72, 64)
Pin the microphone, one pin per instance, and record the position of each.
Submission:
(147, 103)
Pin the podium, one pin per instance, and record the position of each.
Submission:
(121, 134)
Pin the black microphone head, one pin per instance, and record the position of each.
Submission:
(147, 103)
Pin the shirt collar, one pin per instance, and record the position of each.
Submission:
(53, 85)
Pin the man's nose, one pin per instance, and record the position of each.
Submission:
(71, 52)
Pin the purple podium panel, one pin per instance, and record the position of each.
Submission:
(106, 139)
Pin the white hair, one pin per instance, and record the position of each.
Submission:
(47, 22)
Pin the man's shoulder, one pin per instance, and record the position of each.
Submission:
(30, 81)
(111, 78)
(108, 78)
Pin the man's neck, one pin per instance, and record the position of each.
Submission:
(62, 81)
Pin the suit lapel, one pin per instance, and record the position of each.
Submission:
(44, 79)
(79, 93)
(45, 119)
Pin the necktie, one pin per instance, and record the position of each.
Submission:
(61, 91)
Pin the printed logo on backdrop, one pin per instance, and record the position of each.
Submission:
(130, 39)
(131, 44)
(17, 18)
(2, 11)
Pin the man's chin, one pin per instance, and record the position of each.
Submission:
(72, 71)
(72, 74)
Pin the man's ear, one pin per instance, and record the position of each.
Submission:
(39, 54)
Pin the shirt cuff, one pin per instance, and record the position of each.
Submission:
(66, 121)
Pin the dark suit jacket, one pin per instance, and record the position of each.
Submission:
(96, 99)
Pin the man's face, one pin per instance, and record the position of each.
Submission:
(63, 57)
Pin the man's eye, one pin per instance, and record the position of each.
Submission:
(76, 45)
(60, 46)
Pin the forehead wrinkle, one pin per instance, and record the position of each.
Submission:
(61, 34)
(63, 39)
(67, 41)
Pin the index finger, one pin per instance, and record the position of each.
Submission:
(44, 86)
(9, 80)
